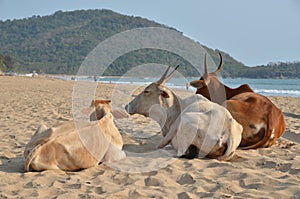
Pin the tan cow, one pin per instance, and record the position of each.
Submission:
(262, 121)
(74, 146)
(195, 126)
(101, 108)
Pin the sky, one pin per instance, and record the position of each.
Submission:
(255, 32)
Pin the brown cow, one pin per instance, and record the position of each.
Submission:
(73, 146)
(262, 121)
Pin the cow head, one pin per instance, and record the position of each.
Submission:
(154, 94)
(102, 107)
(209, 84)
(208, 79)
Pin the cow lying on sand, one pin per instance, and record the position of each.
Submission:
(74, 146)
(195, 126)
(262, 121)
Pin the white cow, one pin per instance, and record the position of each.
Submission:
(74, 146)
(195, 126)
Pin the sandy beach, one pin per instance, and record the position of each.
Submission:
(26, 103)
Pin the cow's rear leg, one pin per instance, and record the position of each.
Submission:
(191, 153)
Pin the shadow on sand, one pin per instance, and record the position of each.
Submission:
(12, 165)
(292, 115)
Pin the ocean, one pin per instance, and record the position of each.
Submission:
(268, 87)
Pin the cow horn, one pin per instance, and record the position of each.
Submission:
(170, 75)
(220, 65)
(163, 76)
(205, 67)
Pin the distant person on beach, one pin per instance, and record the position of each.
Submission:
(187, 86)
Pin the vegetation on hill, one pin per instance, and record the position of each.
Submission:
(6, 63)
(59, 43)
(273, 70)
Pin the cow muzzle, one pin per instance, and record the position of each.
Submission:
(129, 110)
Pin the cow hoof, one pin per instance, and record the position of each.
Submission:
(191, 153)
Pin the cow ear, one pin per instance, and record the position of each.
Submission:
(164, 94)
(198, 83)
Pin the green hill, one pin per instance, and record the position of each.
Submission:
(59, 43)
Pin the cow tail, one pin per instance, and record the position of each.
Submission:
(168, 138)
(233, 142)
(32, 154)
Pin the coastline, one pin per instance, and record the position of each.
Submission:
(267, 87)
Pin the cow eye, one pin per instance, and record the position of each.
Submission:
(146, 92)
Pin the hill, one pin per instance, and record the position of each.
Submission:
(59, 43)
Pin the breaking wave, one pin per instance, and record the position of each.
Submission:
(275, 92)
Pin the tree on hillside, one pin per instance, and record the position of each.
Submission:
(2, 65)
(8, 62)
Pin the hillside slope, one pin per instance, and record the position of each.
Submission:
(59, 43)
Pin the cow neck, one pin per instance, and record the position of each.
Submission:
(173, 112)
(217, 92)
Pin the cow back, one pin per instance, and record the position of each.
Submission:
(72, 146)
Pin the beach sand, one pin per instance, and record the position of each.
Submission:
(26, 103)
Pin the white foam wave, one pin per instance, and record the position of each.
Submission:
(275, 92)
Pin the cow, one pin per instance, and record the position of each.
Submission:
(263, 123)
(210, 86)
(194, 126)
(73, 146)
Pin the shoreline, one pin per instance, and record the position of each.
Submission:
(144, 81)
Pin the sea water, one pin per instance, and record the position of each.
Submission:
(268, 87)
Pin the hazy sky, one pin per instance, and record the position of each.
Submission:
(254, 31)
